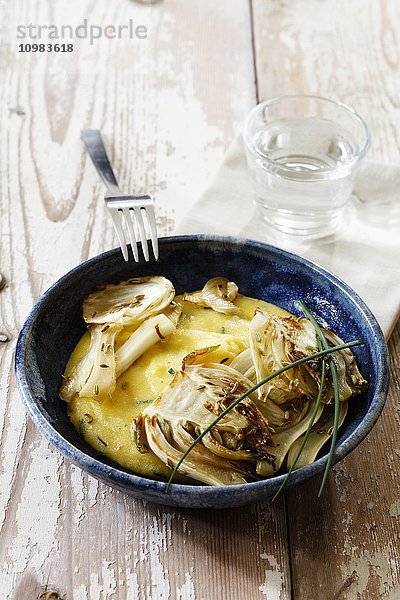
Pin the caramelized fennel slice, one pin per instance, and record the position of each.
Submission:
(243, 362)
(150, 332)
(94, 375)
(194, 298)
(173, 312)
(198, 465)
(350, 380)
(283, 441)
(275, 342)
(320, 433)
(189, 404)
(128, 302)
(218, 294)
(272, 412)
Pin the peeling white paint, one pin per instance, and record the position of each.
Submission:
(186, 591)
(14, 428)
(157, 543)
(272, 587)
(131, 585)
(78, 490)
(367, 565)
(394, 510)
(80, 592)
(37, 512)
(92, 487)
(95, 588)
(109, 579)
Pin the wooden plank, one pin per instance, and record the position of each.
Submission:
(351, 535)
(169, 106)
(346, 545)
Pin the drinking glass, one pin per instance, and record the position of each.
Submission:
(303, 154)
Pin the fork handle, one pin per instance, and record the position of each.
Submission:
(97, 152)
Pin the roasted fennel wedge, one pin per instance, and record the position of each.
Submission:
(321, 432)
(283, 440)
(187, 405)
(128, 302)
(276, 341)
(244, 364)
(94, 376)
(219, 294)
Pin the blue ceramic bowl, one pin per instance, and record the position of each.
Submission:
(55, 325)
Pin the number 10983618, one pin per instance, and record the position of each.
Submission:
(46, 48)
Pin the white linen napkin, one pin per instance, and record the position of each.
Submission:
(365, 251)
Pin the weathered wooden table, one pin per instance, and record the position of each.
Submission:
(170, 104)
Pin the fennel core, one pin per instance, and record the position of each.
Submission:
(327, 351)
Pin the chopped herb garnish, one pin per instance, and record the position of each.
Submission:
(171, 371)
(136, 431)
(124, 385)
(222, 329)
(104, 366)
(102, 441)
(82, 427)
(144, 401)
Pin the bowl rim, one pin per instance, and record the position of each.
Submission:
(120, 476)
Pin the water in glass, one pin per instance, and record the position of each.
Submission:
(303, 173)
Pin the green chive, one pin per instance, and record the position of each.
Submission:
(310, 424)
(336, 392)
(102, 441)
(301, 361)
(138, 402)
(171, 371)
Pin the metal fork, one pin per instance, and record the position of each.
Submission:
(136, 212)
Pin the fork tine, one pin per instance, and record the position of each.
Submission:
(129, 224)
(151, 220)
(116, 217)
(139, 220)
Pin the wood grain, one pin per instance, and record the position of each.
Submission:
(169, 106)
(169, 110)
(350, 539)
(346, 545)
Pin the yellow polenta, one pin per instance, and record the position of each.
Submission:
(107, 425)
